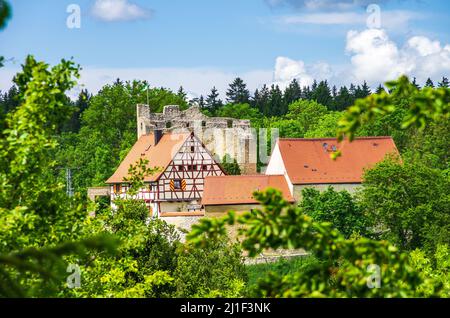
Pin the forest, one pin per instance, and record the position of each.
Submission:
(398, 221)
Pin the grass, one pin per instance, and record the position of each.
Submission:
(281, 267)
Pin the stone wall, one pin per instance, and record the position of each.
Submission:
(220, 135)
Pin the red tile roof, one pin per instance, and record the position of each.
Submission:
(308, 161)
(219, 190)
(158, 156)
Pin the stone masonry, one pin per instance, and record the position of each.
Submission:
(220, 135)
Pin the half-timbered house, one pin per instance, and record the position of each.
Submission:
(182, 161)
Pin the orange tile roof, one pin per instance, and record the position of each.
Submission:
(220, 190)
(158, 156)
(308, 161)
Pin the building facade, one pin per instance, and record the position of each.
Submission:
(182, 162)
(307, 163)
(226, 193)
(222, 136)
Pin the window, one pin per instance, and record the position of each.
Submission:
(117, 188)
(192, 148)
(177, 184)
(203, 123)
(230, 123)
(205, 167)
(180, 168)
(168, 124)
(192, 167)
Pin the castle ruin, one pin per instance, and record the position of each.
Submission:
(220, 135)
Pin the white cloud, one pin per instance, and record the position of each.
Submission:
(322, 4)
(376, 58)
(119, 10)
(392, 20)
(195, 81)
(324, 18)
(287, 69)
(373, 57)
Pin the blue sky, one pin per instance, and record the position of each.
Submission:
(202, 43)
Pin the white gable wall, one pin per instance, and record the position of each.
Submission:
(276, 167)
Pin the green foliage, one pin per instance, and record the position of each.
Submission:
(430, 145)
(143, 263)
(343, 270)
(213, 102)
(5, 14)
(436, 271)
(29, 197)
(325, 127)
(409, 202)
(42, 271)
(79, 106)
(338, 208)
(137, 174)
(215, 270)
(109, 130)
(8, 103)
(237, 92)
(230, 166)
(425, 105)
(39, 225)
(287, 128)
(281, 267)
(239, 111)
(322, 94)
(306, 113)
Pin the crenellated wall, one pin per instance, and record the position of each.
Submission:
(220, 135)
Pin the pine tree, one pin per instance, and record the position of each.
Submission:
(322, 94)
(10, 100)
(201, 102)
(261, 100)
(254, 100)
(444, 82)
(237, 92)
(429, 83)
(364, 90)
(352, 90)
(292, 93)
(277, 105)
(343, 99)
(334, 91)
(306, 92)
(414, 82)
(213, 103)
(80, 105)
(313, 86)
(380, 89)
(181, 93)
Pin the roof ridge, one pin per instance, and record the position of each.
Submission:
(334, 138)
(247, 175)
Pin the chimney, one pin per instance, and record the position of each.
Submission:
(157, 133)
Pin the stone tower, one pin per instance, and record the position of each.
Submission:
(220, 135)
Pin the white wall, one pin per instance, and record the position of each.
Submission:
(276, 167)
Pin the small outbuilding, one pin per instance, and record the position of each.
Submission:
(307, 163)
(224, 193)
